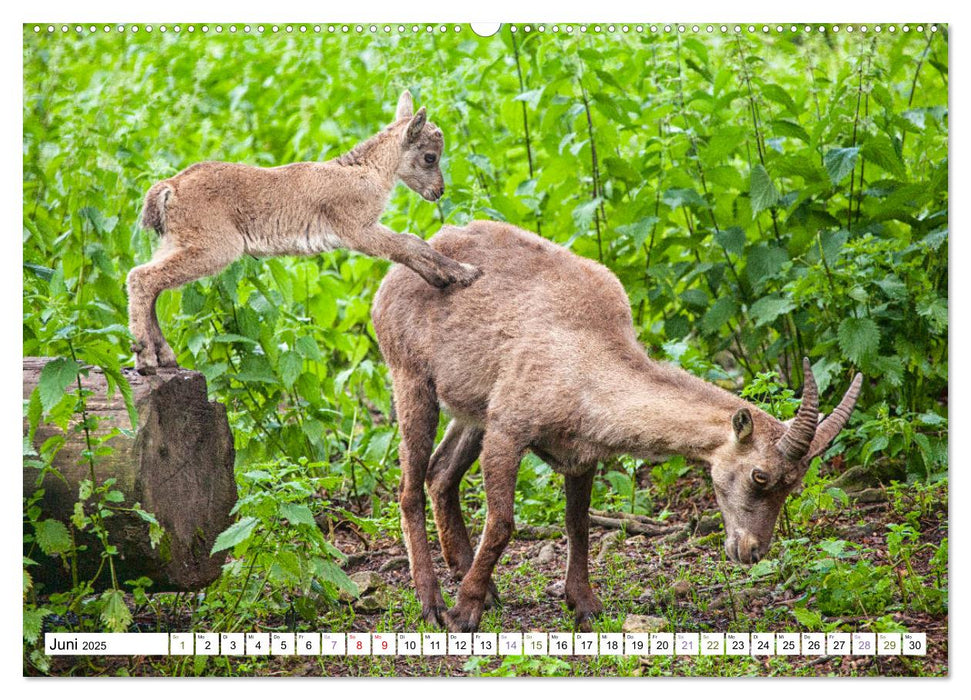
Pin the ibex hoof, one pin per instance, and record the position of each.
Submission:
(434, 614)
(459, 620)
(492, 599)
(146, 370)
(467, 275)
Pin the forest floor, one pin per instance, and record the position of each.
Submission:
(677, 582)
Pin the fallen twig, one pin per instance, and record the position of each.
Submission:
(635, 527)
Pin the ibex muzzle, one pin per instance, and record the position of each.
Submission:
(542, 355)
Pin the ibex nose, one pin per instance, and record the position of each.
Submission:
(743, 548)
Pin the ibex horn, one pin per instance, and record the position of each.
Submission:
(836, 420)
(797, 439)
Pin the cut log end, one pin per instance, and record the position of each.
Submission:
(178, 463)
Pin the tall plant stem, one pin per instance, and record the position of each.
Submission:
(757, 126)
(594, 169)
(913, 83)
(529, 148)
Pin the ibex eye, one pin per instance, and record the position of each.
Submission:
(760, 477)
(429, 158)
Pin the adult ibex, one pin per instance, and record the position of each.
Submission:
(543, 356)
(212, 213)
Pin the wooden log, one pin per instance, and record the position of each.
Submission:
(178, 463)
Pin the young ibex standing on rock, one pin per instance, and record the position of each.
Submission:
(212, 213)
(543, 356)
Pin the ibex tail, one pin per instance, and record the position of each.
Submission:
(153, 211)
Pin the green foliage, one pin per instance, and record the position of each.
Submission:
(754, 213)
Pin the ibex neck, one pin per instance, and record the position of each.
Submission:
(381, 154)
(663, 411)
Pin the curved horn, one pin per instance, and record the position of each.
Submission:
(797, 439)
(836, 420)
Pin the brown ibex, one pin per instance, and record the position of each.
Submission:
(543, 356)
(211, 213)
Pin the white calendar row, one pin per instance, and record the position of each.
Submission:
(488, 644)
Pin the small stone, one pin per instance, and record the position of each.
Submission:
(681, 589)
(393, 563)
(546, 554)
(676, 537)
(375, 602)
(556, 590)
(707, 525)
(608, 543)
(366, 582)
(644, 623)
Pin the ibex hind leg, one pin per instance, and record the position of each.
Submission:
(417, 409)
(579, 595)
(171, 268)
(457, 451)
(501, 455)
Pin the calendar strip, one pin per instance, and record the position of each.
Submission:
(488, 644)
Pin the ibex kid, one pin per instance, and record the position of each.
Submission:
(543, 356)
(211, 213)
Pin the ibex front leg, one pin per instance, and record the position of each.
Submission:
(579, 595)
(413, 252)
(500, 459)
(417, 408)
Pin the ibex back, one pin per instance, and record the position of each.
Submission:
(543, 356)
(212, 213)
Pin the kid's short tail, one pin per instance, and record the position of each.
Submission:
(153, 211)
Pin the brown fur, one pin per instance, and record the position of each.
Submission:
(543, 356)
(212, 213)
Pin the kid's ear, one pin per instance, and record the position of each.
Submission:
(405, 106)
(415, 126)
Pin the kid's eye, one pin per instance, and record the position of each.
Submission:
(429, 158)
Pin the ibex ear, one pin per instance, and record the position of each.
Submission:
(415, 126)
(742, 424)
(405, 107)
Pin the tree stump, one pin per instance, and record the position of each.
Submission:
(178, 463)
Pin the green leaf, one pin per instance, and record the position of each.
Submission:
(719, 314)
(54, 380)
(530, 97)
(297, 514)
(52, 537)
(683, 197)
(307, 347)
(34, 623)
(859, 338)
(233, 338)
(639, 231)
(45, 273)
(761, 190)
(890, 368)
(583, 214)
(790, 129)
(839, 163)
(810, 619)
(769, 308)
(732, 239)
(328, 571)
(778, 95)
(238, 532)
(935, 311)
(291, 364)
(114, 613)
(879, 150)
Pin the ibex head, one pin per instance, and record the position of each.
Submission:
(422, 144)
(764, 460)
